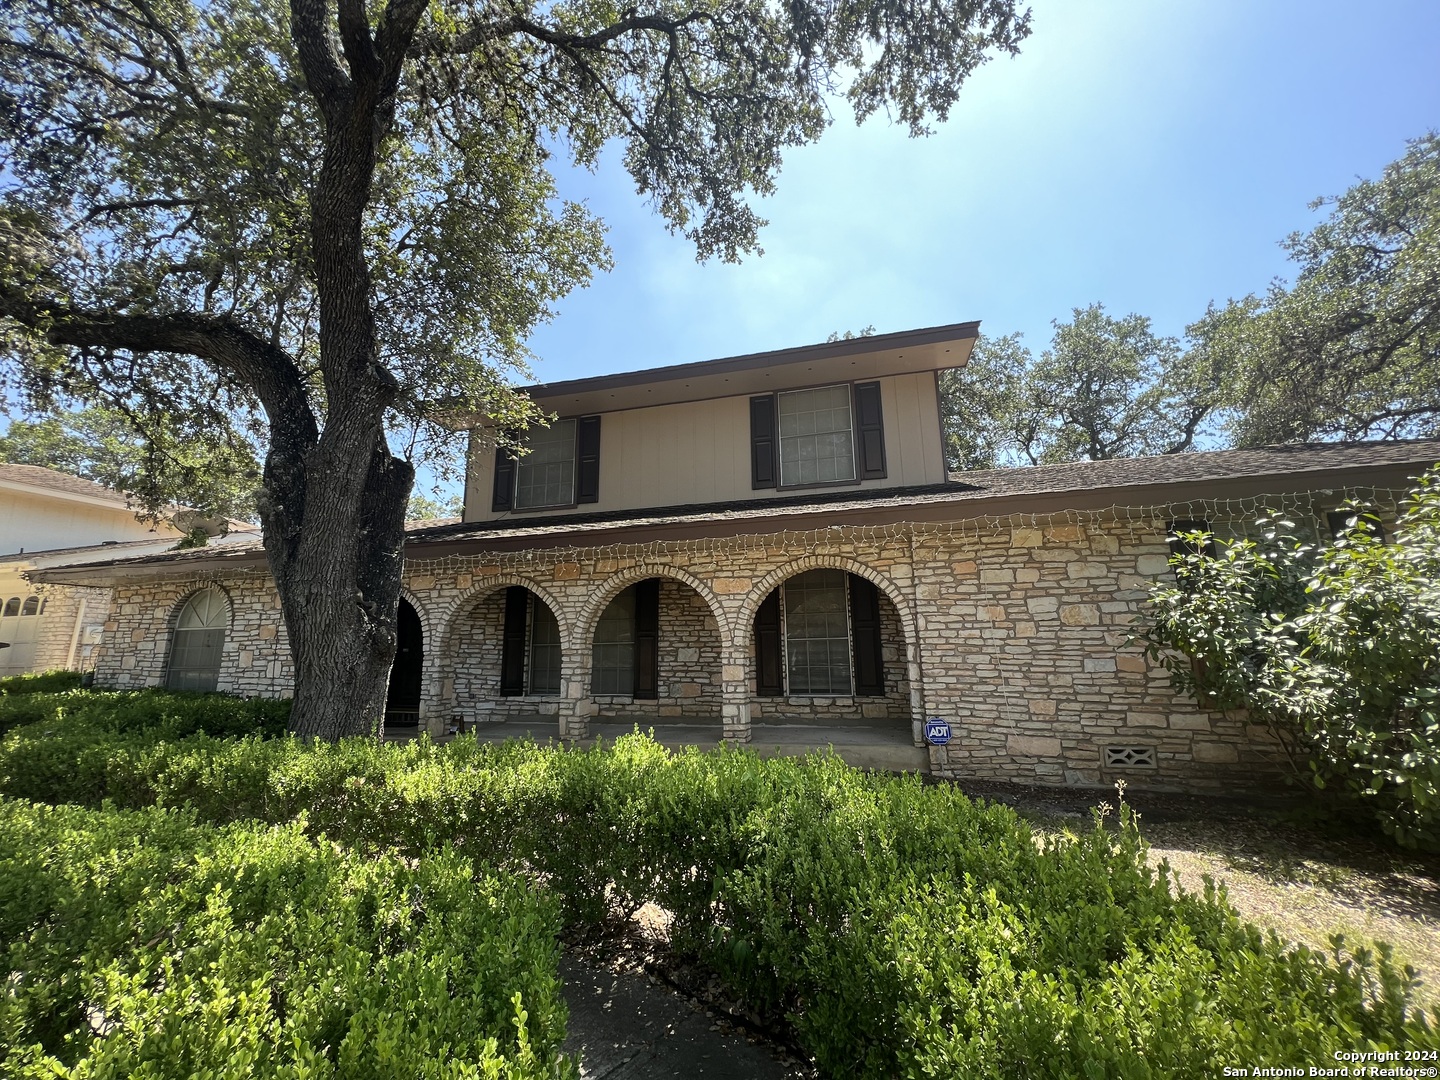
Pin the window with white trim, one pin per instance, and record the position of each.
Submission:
(817, 633)
(198, 640)
(546, 475)
(817, 436)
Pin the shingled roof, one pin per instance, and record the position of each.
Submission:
(37, 476)
(1132, 482)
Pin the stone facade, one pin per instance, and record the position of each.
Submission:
(1018, 634)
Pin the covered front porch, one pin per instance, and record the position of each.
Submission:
(865, 745)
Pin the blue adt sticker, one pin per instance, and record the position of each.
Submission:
(937, 731)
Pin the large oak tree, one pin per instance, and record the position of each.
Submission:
(1351, 348)
(340, 215)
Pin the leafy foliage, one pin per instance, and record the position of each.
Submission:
(1350, 350)
(901, 928)
(1105, 388)
(45, 682)
(54, 697)
(143, 943)
(207, 469)
(1335, 646)
(423, 508)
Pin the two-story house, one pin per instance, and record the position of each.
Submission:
(768, 549)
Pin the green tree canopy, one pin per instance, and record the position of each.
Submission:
(1351, 349)
(1105, 388)
(209, 470)
(341, 217)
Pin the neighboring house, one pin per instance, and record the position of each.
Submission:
(42, 511)
(769, 548)
(49, 519)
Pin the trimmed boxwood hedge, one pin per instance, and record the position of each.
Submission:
(902, 929)
(143, 943)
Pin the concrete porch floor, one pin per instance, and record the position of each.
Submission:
(885, 745)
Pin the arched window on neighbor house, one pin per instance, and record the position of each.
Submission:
(199, 638)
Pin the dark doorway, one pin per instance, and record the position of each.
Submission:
(402, 704)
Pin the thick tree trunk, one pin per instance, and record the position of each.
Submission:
(335, 516)
(339, 586)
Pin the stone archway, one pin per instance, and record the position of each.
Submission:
(908, 663)
(651, 640)
(472, 669)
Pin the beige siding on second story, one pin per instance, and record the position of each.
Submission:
(699, 452)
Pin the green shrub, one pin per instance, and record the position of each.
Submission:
(142, 943)
(169, 714)
(45, 682)
(1334, 647)
(903, 929)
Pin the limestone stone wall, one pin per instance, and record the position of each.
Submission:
(1018, 634)
(255, 660)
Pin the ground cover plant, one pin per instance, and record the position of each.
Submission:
(899, 928)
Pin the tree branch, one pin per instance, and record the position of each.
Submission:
(266, 369)
(325, 78)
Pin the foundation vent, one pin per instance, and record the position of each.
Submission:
(1129, 757)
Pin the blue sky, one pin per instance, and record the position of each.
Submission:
(1148, 156)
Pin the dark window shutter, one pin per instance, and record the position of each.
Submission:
(647, 638)
(762, 441)
(865, 637)
(512, 642)
(870, 431)
(587, 464)
(769, 650)
(504, 493)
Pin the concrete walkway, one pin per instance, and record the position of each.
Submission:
(623, 1027)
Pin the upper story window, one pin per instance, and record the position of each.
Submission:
(546, 475)
(828, 435)
(817, 438)
(561, 467)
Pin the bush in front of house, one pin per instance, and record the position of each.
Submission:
(902, 929)
(144, 943)
(168, 714)
(1336, 647)
(45, 682)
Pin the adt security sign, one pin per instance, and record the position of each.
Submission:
(937, 731)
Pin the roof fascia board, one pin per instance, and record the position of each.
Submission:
(828, 350)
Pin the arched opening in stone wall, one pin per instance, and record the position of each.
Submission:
(655, 655)
(828, 648)
(198, 640)
(402, 700)
(503, 656)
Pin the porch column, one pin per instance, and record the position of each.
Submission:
(575, 706)
(735, 695)
(434, 698)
